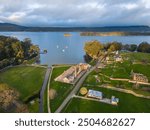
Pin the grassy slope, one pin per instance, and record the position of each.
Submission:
(62, 89)
(34, 108)
(26, 80)
(123, 70)
(127, 103)
(137, 56)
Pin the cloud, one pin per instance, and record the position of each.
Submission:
(75, 12)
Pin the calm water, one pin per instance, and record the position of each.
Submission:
(68, 49)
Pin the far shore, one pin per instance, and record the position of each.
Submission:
(115, 33)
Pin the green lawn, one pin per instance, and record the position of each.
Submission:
(127, 103)
(34, 108)
(137, 56)
(31, 61)
(144, 69)
(62, 89)
(26, 80)
(118, 70)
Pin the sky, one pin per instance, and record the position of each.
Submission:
(75, 12)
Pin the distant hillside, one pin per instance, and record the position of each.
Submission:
(13, 27)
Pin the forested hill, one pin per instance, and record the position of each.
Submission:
(13, 27)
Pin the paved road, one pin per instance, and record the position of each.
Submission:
(74, 91)
(77, 86)
(43, 89)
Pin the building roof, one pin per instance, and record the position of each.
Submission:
(94, 93)
(113, 99)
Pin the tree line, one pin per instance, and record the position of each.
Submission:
(95, 48)
(14, 51)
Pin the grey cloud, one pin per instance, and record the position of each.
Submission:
(75, 12)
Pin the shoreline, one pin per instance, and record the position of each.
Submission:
(116, 33)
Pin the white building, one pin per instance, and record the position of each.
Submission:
(114, 100)
(119, 59)
(95, 94)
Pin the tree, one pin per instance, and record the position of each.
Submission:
(87, 58)
(133, 47)
(33, 51)
(144, 47)
(113, 46)
(16, 47)
(117, 45)
(26, 46)
(107, 46)
(126, 47)
(20, 54)
(13, 51)
(2, 55)
(27, 41)
(93, 48)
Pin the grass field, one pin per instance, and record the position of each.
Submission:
(118, 70)
(34, 108)
(141, 57)
(123, 70)
(62, 89)
(26, 80)
(127, 103)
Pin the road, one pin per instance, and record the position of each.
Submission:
(76, 88)
(78, 85)
(43, 89)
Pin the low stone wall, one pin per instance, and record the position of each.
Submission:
(125, 91)
(127, 80)
(119, 79)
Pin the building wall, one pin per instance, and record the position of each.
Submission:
(140, 78)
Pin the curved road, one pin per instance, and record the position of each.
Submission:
(74, 91)
(43, 89)
(77, 86)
